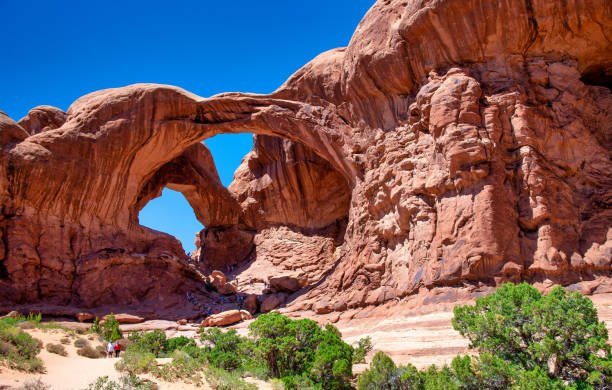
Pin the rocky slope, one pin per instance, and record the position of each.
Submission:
(452, 143)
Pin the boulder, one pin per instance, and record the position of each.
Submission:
(285, 284)
(250, 303)
(270, 303)
(82, 317)
(227, 318)
(217, 278)
(124, 318)
(227, 289)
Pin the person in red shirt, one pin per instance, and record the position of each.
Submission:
(117, 348)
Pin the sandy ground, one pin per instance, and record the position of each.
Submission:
(74, 372)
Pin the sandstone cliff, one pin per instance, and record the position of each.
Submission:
(452, 143)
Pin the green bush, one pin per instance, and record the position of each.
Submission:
(152, 342)
(364, 346)
(182, 367)
(95, 327)
(125, 382)
(135, 361)
(175, 343)
(380, 375)
(224, 349)
(300, 348)
(18, 349)
(110, 329)
(65, 340)
(220, 379)
(559, 333)
(89, 352)
(57, 349)
(526, 341)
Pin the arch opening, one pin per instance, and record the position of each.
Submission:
(171, 213)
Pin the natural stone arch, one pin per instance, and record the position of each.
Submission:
(132, 132)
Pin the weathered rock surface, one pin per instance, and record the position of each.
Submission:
(227, 318)
(452, 143)
(124, 318)
(270, 303)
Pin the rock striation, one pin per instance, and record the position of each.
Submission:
(456, 143)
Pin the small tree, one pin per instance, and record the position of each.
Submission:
(333, 362)
(364, 346)
(558, 333)
(110, 329)
(379, 375)
(152, 342)
(223, 349)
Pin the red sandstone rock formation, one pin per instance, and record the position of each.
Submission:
(227, 318)
(451, 143)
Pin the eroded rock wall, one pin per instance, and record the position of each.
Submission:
(451, 143)
(485, 183)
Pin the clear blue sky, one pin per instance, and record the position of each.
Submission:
(55, 52)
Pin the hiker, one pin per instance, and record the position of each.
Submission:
(117, 348)
(110, 348)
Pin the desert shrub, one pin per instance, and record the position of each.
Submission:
(298, 382)
(220, 379)
(560, 332)
(57, 349)
(101, 350)
(380, 374)
(182, 367)
(175, 343)
(223, 349)
(5, 348)
(364, 346)
(35, 384)
(65, 340)
(26, 325)
(296, 349)
(89, 352)
(18, 349)
(53, 325)
(125, 382)
(526, 340)
(80, 343)
(95, 328)
(110, 329)
(34, 318)
(333, 361)
(135, 361)
(152, 342)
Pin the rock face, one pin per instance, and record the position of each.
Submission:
(227, 318)
(452, 143)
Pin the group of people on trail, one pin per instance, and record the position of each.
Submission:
(113, 348)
